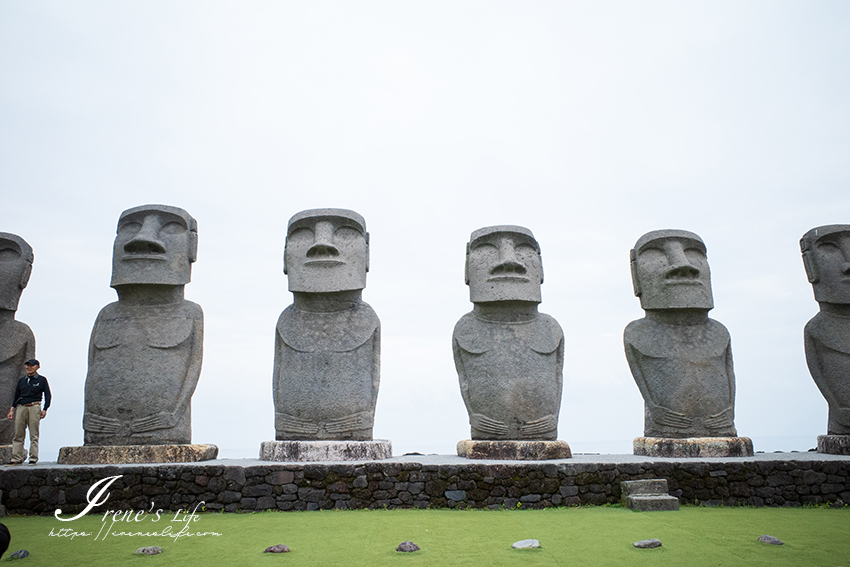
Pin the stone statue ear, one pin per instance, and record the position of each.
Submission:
(367, 251)
(193, 247)
(25, 274)
(285, 269)
(466, 266)
(541, 269)
(633, 266)
(811, 268)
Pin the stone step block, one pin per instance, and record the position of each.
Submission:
(652, 503)
(648, 486)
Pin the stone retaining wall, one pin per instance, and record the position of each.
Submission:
(305, 486)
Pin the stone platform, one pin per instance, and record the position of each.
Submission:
(133, 454)
(5, 453)
(693, 447)
(306, 451)
(834, 444)
(514, 450)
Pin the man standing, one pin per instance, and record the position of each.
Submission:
(27, 400)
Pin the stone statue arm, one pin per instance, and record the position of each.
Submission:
(461, 372)
(726, 418)
(168, 419)
(478, 421)
(93, 423)
(659, 414)
(376, 363)
(813, 358)
(549, 422)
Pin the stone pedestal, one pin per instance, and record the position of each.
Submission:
(693, 447)
(133, 454)
(300, 451)
(514, 450)
(834, 444)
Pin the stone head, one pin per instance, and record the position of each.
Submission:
(15, 269)
(826, 256)
(503, 263)
(670, 271)
(327, 250)
(154, 244)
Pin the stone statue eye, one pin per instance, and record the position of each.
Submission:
(303, 235)
(173, 228)
(346, 233)
(484, 247)
(828, 247)
(129, 228)
(9, 254)
(695, 255)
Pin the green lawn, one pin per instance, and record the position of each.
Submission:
(568, 536)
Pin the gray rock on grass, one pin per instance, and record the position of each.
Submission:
(279, 548)
(407, 547)
(151, 550)
(526, 544)
(771, 540)
(20, 554)
(647, 543)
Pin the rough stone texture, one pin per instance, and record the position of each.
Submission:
(128, 454)
(279, 548)
(834, 444)
(695, 447)
(6, 450)
(407, 547)
(680, 359)
(509, 357)
(647, 495)
(514, 450)
(20, 554)
(771, 540)
(17, 343)
(647, 543)
(300, 451)
(789, 479)
(526, 544)
(151, 550)
(146, 348)
(327, 343)
(826, 251)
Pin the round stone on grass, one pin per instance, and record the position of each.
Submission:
(152, 550)
(279, 548)
(647, 543)
(770, 539)
(526, 544)
(407, 547)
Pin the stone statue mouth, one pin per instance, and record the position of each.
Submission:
(144, 256)
(680, 281)
(508, 278)
(328, 263)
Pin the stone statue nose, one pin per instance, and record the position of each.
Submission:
(509, 267)
(146, 241)
(682, 273)
(318, 251)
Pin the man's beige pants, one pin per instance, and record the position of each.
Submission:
(26, 417)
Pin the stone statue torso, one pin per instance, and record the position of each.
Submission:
(827, 339)
(326, 375)
(686, 369)
(511, 374)
(143, 360)
(17, 345)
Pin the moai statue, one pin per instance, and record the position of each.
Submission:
(680, 359)
(826, 255)
(509, 357)
(17, 343)
(146, 348)
(327, 343)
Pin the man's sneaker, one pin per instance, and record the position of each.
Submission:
(33, 462)
(13, 463)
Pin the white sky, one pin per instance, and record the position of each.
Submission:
(590, 123)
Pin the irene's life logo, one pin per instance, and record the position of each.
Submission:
(131, 521)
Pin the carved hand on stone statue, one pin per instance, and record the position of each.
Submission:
(487, 425)
(100, 424)
(161, 420)
(720, 420)
(539, 426)
(666, 416)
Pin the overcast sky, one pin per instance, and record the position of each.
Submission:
(589, 123)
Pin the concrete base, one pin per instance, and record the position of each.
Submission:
(514, 450)
(301, 451)
(135, 454)
(5, 454)
(693, 447)
(834, 444)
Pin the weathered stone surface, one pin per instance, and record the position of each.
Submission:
(151, 550)
(826, 251)
(834, 444)
(126, 454)
(146, 348)
(279, 548)
(6, 450)
(648, 495)
(407, 547)
(514, 450)
(647, 543)
(20, 554)
(526, 544)
(680, 359)
(695, 447)
(771, 540)
(17, 343)
(509, 357)
(327, 343)
(298, 451)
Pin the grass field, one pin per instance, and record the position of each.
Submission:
(568, 536)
